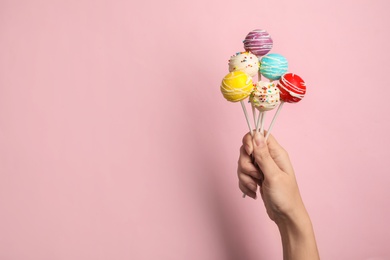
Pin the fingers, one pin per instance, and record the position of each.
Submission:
(248, 174)
(246, 165)
(247, 185)
(263, 157)
(247, 143)
(280, 155)
(270, 159)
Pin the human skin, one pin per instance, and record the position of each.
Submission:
(272, 171)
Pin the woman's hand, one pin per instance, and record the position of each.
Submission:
(272, 170)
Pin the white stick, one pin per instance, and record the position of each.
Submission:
(262, 123)
(249, 124)
(274, 119)
(246, 117)
(258, 121)
(257, 124)
(254, 114)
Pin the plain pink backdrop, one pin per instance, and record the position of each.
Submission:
(115, 142)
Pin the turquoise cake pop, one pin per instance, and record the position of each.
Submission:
(273, 66)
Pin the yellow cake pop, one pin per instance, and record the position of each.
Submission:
(236, 86)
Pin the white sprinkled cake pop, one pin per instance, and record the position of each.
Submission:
(265, 96)
(244, 61)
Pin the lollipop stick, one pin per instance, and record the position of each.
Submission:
(250, 129)
(246, 116)
(258, 121)
(254, 114)
(262, 123)
(260, 118)
(274, 119)
(257, 124)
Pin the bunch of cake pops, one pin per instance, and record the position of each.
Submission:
(264, 96)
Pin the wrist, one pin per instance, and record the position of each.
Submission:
(297, 236)
(296, 217)
(295, 224)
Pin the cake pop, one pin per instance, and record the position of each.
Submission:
(265, 96)
(236, 86)
(292, 89)
(259, 42)
(273, 66)
(244, 61)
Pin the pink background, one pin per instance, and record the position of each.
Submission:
(115, 142)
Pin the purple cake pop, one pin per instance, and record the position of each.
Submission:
(259, 42)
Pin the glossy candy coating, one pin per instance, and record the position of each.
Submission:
(273, 66)
(265, 96)
(236, 86)
(292, 88)
(259, 42)
(244, 61)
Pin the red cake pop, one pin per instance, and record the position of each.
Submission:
(292, 88)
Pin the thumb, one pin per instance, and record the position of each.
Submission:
(262, 155)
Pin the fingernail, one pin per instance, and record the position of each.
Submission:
(259, 140)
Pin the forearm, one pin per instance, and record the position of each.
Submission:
(298, 238)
